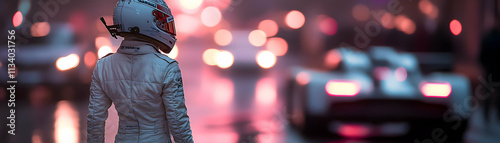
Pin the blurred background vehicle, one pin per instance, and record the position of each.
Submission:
(377, 93)
(236, 60)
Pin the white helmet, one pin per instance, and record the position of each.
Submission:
(150, 19)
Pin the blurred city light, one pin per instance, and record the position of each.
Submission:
(361, 12)
(223, 91)
(439, 90)
(400, 74)
(221, 4)
(353, 131)
(223, 37)
(174, 52)
(17, 19)
(78, 22)
(36, 138)
(381, 73)
(66, 125)
(277, 45)
(425, 6)
(295, 19)
(405, 24)
(266, 91)
(270, 27)
(211, 16)
(40, 29)
(342, 88)
(455, 27)
(303, 78)
(186, 24)
(265, 59)
(332, 59)
(429, 9)
(67, 62)
(210, 56)
(103, 51)
(257, 38)
(191, 4)
(225, 59)
(102, 41)
(387, 20)
(327, 25)
(90, 59)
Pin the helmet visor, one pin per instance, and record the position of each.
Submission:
(164, 22)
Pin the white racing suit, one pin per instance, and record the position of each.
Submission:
(146, 89)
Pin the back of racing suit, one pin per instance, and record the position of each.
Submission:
(146, 89)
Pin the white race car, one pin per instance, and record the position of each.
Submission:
(371, 94)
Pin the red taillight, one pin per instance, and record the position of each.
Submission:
(440, 90)
(353, 131)
(342, 88)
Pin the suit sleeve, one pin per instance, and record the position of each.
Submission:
(176, 111)
(99, 104)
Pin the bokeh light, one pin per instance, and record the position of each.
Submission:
(67, 62)
(303, 78)
(174, 52)
(327, 25)
(265, 59)
(36, 137)
(89, 59)
(66, 125)
(257, 38)
(223, 91)
(40, 29)
(211, 16)
(17, 19)
(270, 27)
(332, 59)
(361, 12)
(295, 19)
(266, 91)
(342, 88)
(210, 56)
(78, 22)
(277, 45)
(186, 24)
(425, 6)
(405, 24)
(400, 74)
(429, 9)
(223, 37)
(439, 90)
(103, 51)
(225, 59)
(191, 4)
(102, 41)
(381, 73)
(221, 4)
(455, 27)
(353, 131)
(387, 20)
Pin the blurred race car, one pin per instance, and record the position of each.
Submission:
(367, 89)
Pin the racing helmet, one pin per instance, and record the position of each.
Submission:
(149, 19)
